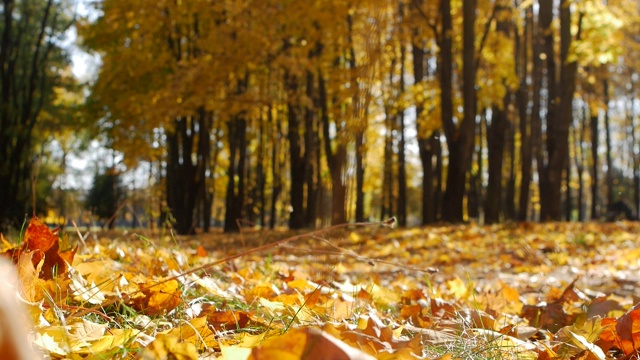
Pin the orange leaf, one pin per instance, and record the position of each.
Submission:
(200, 251)
(162, 298)
(225, 320)
(45, 245)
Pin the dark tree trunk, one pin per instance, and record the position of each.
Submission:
(204, 165)
(401, 201)
(460, 138)
(311, 156)
(559, 115)
(496, 140)
(428, 144)
(607, 132)
(634, 156)
(510, 201)
(275, 169)
(359, 102)
(549, 194)
(387, 172)
(402, 174)
(296, 157)
(261, 176)
(360, 171)
(579, 161)
(475, 186)
(336, 159)
(235, 186)
(182, 173)
(568, 196)
(526, 153)
(595, 174)
(496, 136)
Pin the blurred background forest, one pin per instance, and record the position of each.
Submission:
(237, 113)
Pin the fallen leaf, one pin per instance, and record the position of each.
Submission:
(306, 343)
(168, 347)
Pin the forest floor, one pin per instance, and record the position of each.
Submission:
(535, 291)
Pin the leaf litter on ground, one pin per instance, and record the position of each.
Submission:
(530, 291)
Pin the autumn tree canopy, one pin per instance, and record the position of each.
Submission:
(304, 113)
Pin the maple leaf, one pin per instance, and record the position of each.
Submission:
(44, 244)
(159, 298)
(622, 333)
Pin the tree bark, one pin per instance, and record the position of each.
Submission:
(311, 155)
(181, 170)
(496, 140)
(275, 169)
(460, 138)
(595, 174)
(336, 159)
(235, 185)
(559, 115)
(549, 194)
(526, 153)
(496, 136)
(296, 157)
(607, 132)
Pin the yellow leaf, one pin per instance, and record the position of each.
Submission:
(234, 352)
(116, 339)
(195, 331)
(307, 343)
(168, 347)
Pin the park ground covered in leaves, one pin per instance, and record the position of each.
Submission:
(530, 291)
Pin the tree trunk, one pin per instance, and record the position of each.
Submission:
(203, 166)
(496, 135)
(429, 147)
(311, 156)
(401, 204)
(549, 192)
(579, 162)
(460, 138)
(296, 157)
(595, 174)
(634, 156)
(607, 132)
(235, 186)
(275, 169)
(568, 196)
(336, 159)
(386, 210)
(526, 153)
(360, 171)
(559, 115)
(261, 176)
(181, 181)
(445, 70)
